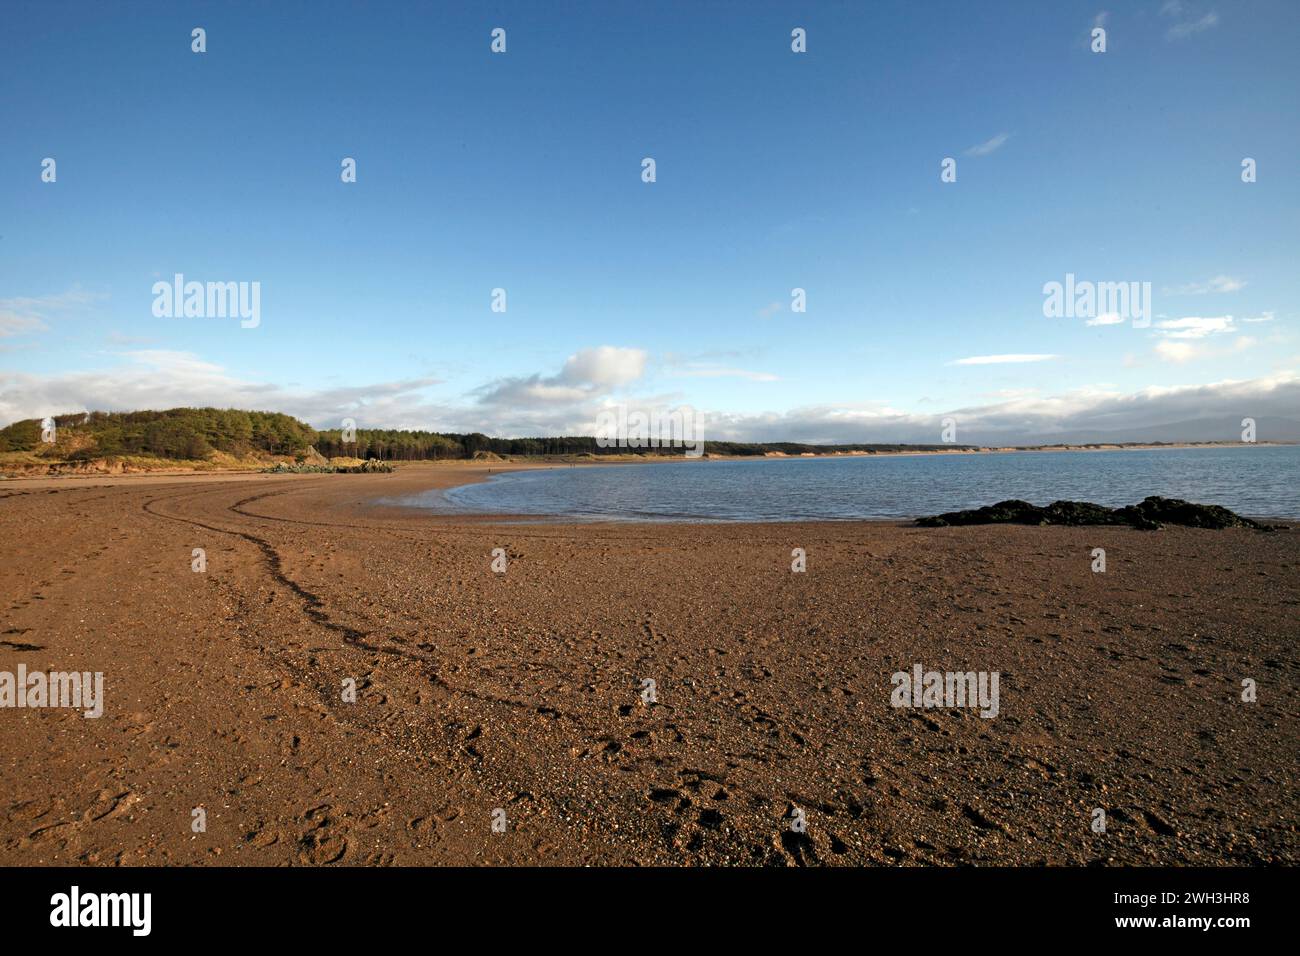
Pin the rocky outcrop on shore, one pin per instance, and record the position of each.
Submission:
(1150, 514)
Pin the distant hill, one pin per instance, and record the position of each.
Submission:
(178, 433)
(1226, 429)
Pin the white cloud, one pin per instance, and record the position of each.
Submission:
(1080, 415)
(586, 374)
(158, 379)
(1175, 351)
(15, 323)
(22, 315)
(606, 365)
(1183, 351)
(1262, 317)
(1186, 28)
(1110, 318)
(1216, 284)
(1003, 359)
(1194, 326)
(988, 146)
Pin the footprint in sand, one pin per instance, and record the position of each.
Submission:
(262, 836)
(322, 842)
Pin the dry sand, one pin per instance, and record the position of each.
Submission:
(522, 691)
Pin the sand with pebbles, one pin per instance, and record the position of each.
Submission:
(518, 698)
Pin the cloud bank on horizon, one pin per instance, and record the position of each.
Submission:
(570, 401)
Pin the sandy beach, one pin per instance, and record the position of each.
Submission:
(518, 697)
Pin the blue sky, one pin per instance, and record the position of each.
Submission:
(775, 170)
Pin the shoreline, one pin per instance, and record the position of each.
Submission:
(104, 468)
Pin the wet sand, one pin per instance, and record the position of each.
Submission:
(522, 691)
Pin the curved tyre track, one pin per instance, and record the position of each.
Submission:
(314, 606)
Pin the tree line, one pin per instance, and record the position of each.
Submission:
(195, 433)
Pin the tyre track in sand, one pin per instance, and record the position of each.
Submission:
(315, 608)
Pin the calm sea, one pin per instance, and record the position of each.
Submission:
(1261, 481)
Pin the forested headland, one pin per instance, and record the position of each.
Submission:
(215, 434)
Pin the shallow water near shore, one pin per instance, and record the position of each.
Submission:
(1258, 481)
